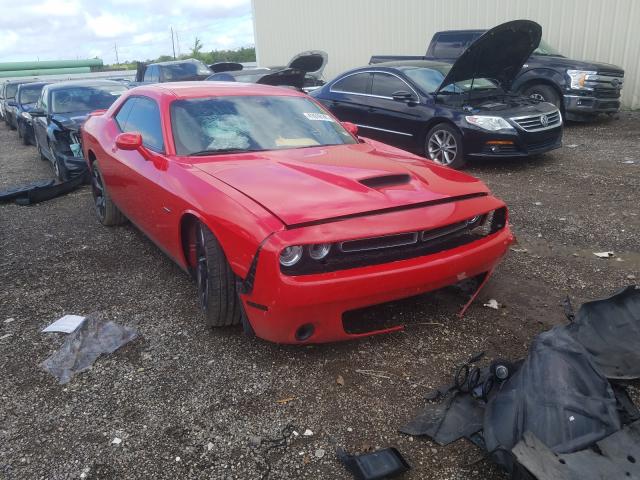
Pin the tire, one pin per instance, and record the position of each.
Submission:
(22, 133)
(39, 148)
(543, 93)
(107, 212)
(443, 145)
(60, 171)
(216, 281)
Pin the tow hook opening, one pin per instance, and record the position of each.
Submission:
(304, 332)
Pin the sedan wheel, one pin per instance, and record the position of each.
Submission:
(443, 147)
(202, 270)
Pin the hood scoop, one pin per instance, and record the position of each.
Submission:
(384, 181)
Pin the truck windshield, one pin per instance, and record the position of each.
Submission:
(429, 79)
(85, 98)
(545, 49)
(209, 126)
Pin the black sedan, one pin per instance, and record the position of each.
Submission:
(26, 98)
(451, 112)
(60, 112)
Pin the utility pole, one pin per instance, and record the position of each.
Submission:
(115, 46)
(173, 44)
(178, 42)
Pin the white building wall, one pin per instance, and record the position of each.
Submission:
(351, 31)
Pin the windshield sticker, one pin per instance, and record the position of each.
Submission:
(323, 117)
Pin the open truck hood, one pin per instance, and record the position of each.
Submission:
(321, 183)
(498, 54)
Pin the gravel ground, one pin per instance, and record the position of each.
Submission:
(187, 402)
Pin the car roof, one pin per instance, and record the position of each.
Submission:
(176, 62)
(35, 84)
(83, 83)
(409, 63)
(205, 88)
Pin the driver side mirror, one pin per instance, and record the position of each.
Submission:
(37, 112)
(129, 141)
(352, 128)
(403, 96)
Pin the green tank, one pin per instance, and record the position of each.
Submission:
(46, 64)
(43, 72)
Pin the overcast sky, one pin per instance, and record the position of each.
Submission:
(69, 29)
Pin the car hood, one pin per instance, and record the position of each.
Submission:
(498, 54)
(307, 185)
(71, 120)
(312, 62)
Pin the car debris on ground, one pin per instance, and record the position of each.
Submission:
(562, 412)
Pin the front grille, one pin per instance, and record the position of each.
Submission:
(606, 93)
(539, 122)
(542, 144)
(390, 248)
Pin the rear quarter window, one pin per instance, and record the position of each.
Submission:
(356, 83)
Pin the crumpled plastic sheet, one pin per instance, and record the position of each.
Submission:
(95, 337)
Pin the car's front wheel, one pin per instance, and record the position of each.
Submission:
(216, 281)
(22, 133)
(106, 210)
(444, 146)
(39, 148)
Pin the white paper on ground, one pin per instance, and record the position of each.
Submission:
(66, 324)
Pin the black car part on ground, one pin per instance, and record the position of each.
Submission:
(40, 191)
(378, 465)
(563, 395)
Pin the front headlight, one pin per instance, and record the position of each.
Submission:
(489, 123)
(579, 79)
(289, 256)
(25, 115)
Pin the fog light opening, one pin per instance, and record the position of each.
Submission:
(304, 332)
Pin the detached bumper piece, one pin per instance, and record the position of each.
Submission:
(386, 463)
(561, 413)
(41, 191)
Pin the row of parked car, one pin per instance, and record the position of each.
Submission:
(502, 93)
(49, 115)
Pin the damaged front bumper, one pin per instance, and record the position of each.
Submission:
(309, 308)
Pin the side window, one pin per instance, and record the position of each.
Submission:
(144, 117)
(123, 114)
(386, 85)
(451, 45)
(357, 83)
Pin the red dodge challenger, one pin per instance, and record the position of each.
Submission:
(285, 218)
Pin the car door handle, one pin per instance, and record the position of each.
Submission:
(371, 110)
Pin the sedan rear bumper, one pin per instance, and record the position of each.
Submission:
(279, 306)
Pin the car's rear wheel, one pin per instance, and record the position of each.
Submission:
(543, 93)
(216, 281)
(444, 146)
(106, 210)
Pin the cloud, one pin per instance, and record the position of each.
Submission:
(63, 29)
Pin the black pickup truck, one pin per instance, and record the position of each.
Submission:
(581, 89)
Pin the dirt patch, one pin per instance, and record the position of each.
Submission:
(185, 401)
